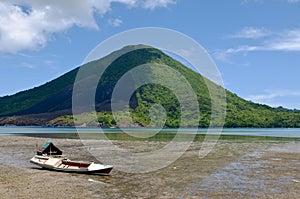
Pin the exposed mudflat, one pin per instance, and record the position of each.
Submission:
(234, 169)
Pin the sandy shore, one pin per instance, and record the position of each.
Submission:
(232, 170)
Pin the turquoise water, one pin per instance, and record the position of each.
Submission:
(272, 132)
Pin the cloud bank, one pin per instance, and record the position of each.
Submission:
(30, 24)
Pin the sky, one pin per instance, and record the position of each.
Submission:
(254, 43)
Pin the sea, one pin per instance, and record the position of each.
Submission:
(266, 132)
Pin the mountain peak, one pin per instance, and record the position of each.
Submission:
(51, 103)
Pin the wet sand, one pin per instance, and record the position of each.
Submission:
(234, 169)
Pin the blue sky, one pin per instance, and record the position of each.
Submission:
(254, 43)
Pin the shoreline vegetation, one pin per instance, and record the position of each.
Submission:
(280, 118)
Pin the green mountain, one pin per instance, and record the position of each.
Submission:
(51, 103)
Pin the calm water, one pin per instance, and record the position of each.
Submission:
(272, 132)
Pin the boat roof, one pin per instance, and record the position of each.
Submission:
(51, 149)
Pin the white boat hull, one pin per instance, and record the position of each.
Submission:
(61, 164)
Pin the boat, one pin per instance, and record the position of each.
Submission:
(63, 164)
(51, 158)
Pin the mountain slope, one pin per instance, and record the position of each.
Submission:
(50, 103)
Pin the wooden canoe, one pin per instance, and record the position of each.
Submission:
(66, 165)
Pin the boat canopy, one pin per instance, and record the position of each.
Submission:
(50, 149)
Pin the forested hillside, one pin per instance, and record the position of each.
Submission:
(51, 103)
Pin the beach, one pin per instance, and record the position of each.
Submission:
(233, 169)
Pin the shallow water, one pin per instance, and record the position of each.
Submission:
(253, 173)
(269, 132)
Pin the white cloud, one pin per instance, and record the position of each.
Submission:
(115, 22)
(271, 95)
(251, 1)
(221, 55)
(251, 33)
(287, 40)
(27, 65)
(275, 98)
(151, 4)
(30, 24)
(245, 48)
